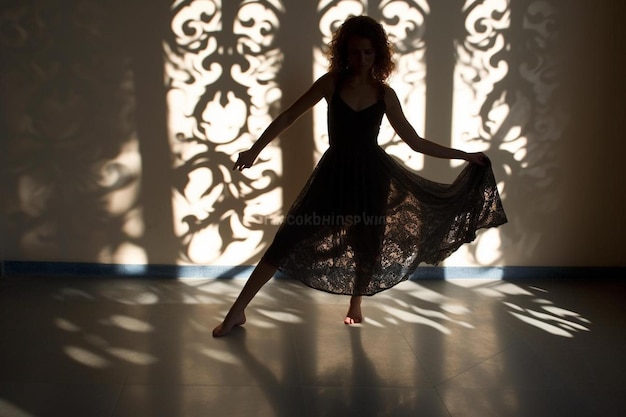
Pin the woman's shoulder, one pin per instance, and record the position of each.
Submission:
(389, 96)
(328, 79)
(326, 83)
(387, 89)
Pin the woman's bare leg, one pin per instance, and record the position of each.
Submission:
(354, 315)
(236, 315)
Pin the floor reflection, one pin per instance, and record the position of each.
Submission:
(435, 348)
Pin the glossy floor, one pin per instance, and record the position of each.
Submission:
(476, 348)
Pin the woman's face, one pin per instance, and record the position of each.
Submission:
(361, 54)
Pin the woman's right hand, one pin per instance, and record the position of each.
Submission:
(245, 160)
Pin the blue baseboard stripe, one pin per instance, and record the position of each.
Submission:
(78, 270)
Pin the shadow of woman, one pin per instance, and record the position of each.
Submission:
(284, 398)
(356, 395)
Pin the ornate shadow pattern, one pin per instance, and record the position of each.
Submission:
(508, 71)
(221, 65)
(71, 164)
(404, 21)
(505, 95)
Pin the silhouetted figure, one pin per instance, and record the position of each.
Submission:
(363, 222)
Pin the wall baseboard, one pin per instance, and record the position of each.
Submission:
(95, 270)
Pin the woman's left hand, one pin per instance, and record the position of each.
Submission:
(477, 158)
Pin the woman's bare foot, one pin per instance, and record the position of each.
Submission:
(230, 322)
(354, 315)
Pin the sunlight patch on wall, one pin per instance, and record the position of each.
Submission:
(121, 175)
(476, 72)
(71, 168)
(221, 67)
(506, 89)
(404, 23)
(222, 64)
(331, 15)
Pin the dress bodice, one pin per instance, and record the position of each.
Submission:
(347, 126)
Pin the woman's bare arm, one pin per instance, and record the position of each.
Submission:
(312, 96)
(407, 133)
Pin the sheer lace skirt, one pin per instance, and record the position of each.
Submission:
(363, 224)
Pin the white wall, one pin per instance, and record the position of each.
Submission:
(86, 149)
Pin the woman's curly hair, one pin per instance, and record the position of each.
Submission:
(363, 27)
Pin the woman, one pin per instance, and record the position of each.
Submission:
(363, 223)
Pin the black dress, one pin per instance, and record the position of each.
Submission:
(363, 222)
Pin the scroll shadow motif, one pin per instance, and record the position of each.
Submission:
(221, 67)
(228, 203)
(71, 151)
(404, 21)
(514, 47)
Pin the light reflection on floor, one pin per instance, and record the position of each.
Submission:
(435, 348)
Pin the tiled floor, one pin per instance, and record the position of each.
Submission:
(475, 348)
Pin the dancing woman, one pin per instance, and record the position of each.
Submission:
(363, 222)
